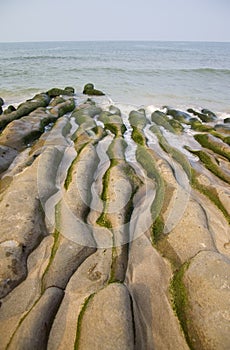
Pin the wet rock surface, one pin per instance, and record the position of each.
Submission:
(114, 226)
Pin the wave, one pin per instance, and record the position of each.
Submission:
(206, 70)
(184, 70)
(42, 57)
(148, 71)
(125, 66)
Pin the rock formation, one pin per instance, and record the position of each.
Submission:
(114, 226)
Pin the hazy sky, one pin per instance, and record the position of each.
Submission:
(41, 20)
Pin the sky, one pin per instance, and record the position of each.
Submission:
(74, 20)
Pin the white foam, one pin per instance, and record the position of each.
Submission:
(223, 116)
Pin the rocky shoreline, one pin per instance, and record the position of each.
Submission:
(114, 226)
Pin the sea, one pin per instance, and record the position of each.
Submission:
(136, 73)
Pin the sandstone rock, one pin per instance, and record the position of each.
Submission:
(24, 222)
(91, 276)
(161, 119)
(107, 321)
(85, 205)
(190, 236)
(20, 132)
(208, 301)
(68, 258)
(147, 279)
(138, 119)
(56, 101)
(7, 155)
(112, 122)
(33, 332)
(40, 100)
(63, 108)
(19, 302)
(224, 128)
(115, 110)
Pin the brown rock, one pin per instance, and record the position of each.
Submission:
(107, 321)
(207, 282)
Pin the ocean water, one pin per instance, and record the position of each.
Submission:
(178, 74)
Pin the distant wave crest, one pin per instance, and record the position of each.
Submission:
(206, 70)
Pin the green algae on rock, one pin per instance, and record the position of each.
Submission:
(114, 226)
(89, 90)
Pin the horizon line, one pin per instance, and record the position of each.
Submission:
(115, 40)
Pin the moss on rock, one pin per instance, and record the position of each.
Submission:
(180, 300)
(54, 92)
(138, 119)
(210, 164)
(138, 136)
(162, 119)
(206, 142)
(91, 91)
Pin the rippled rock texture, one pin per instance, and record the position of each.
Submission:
(114, 226)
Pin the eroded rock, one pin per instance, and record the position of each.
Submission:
(208, 301)
(114, 228)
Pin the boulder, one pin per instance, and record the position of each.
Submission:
(138, 119)
(68, 91)
(207, 301)
(89, 90)
(1, 102)
(147, 279)
(205, 117)
(7, 155)
(19, 133)
(115, 110)
(9, 109)
(39, 100)
(209, 113)
(182, 117)
(162, 119)
(33, 331)
(107, 321)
